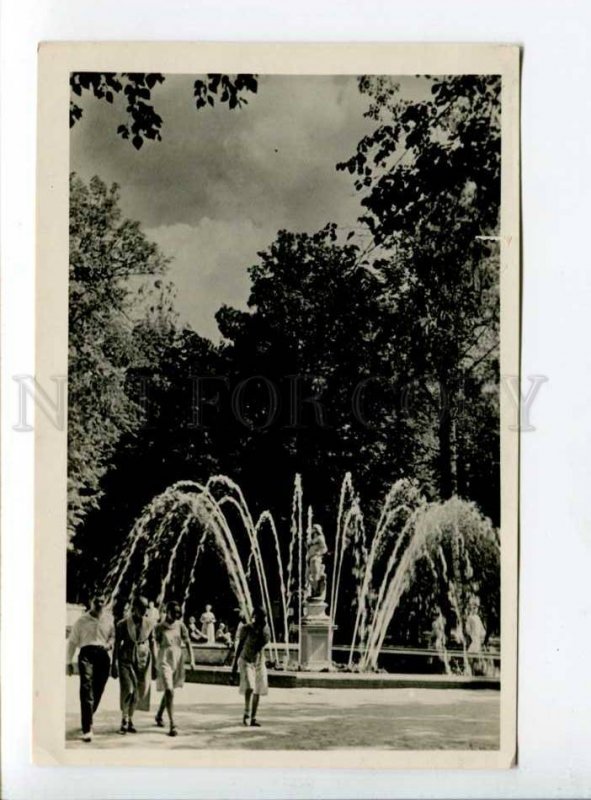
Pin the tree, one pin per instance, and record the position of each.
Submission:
(430, 174)
(142, 119)
(106, 251)
(311, 330)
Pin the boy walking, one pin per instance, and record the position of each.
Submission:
(93, 633)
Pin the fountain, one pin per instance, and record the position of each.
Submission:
(443, 541)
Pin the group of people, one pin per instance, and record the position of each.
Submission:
(145, 646)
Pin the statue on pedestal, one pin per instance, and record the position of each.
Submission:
(316, 578)
(316, 640)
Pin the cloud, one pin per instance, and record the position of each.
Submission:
(221, 183)
(209, 267)
(276, 155)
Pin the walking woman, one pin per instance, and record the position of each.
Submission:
(93, 634)
(134, 661)
(250, 657)
(171, 635)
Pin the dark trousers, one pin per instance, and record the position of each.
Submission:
(94, 665)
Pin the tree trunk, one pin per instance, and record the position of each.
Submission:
(447, 458)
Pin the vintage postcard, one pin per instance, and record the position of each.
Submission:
(277, 479)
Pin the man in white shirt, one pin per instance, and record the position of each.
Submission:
(93, 633)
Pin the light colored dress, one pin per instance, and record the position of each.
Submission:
(171, 663)
(253, 669)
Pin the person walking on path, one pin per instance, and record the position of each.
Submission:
(250, 658)
(134, 661)
(170, 637)
(93, 634)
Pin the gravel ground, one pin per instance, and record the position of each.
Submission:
(209, 717)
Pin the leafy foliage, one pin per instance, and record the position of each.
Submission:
(430, 178)
(314, 316)
(226, 88)
(105, 252)
(143, 120)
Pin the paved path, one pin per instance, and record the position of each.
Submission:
(209, 717)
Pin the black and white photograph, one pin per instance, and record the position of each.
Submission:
(288, 520)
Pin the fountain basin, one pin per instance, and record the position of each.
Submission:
(415, 660)
(212, 653)
(279, 679)
(393, 659)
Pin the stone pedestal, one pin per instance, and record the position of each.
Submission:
(316, 643)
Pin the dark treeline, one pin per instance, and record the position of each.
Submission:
(377, 356)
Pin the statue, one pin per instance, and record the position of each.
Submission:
(207, 620)
(477, 633)
(316, 625)
(317, 549)
(475, 627)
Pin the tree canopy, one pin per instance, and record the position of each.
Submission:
(429, 176)
(109, 323)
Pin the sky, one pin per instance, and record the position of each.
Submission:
(222, 183)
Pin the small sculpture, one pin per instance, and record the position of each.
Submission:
(207, 621)
(438, 637)
(317, 549)
(475, 627)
